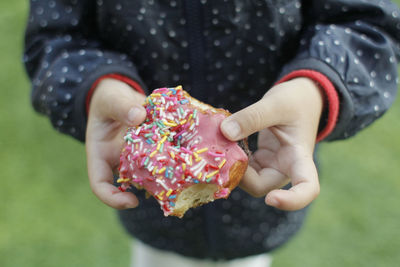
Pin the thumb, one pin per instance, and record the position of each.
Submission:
(251, 119)
(130, 115)
(118, 101)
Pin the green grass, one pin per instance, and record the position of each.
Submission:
(355, 220)
(49, 217)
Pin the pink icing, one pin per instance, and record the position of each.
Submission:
(176, 165)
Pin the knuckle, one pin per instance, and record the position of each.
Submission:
(120, 206)
(253, 190)
(257, 192)
(253, 119)
(317, 191)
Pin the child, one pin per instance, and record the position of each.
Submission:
(332, 70)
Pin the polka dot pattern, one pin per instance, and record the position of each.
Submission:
(245, 47)
(357, 52)
(67, 63)
(207, 231)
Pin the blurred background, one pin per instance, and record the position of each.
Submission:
(49, 216)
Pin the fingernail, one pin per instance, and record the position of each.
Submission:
(133, 113)
(272, 201)
(132, 205)
(231, 129)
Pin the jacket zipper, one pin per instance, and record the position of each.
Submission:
(194, 16)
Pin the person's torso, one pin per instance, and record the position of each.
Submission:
(224, 52)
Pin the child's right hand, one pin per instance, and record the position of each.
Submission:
(114, 106)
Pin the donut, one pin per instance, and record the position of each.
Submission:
(179, 155)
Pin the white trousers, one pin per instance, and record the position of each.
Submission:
(146, 256)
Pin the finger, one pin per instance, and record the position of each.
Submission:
(101, 178)
(127, 112)
(113, 197)
(254, 118)
(259, 184)
(262, 177)
(118, 101)
(304, 190)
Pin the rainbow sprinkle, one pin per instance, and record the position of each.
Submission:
(164, 147)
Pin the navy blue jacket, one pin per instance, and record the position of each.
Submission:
(226, 53)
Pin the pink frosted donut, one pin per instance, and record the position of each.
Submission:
(178, 154)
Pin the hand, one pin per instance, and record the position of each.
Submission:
(114, 106)
(287, 118)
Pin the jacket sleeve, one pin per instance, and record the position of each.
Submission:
(64, 57)
(355, 43)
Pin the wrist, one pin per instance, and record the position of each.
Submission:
(313, 96)
(330, 96)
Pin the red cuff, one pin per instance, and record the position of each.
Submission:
(119, 77)
(331, 97)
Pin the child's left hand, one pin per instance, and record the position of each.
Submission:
(287, 119)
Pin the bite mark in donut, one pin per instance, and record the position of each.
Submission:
(178, 154)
